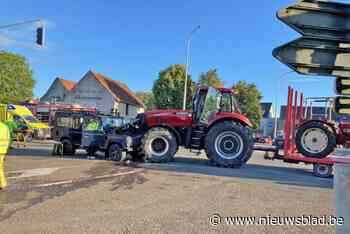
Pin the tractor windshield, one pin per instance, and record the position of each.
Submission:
(215, 102)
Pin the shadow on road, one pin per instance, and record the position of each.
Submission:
(280, 175)
(45, 153)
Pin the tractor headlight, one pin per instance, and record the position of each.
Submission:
(128, 141)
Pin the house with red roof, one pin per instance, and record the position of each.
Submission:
(98, 91)
(58, 91)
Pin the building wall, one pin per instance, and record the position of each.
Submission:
(267, 126)
(90, 93)
(56, 93)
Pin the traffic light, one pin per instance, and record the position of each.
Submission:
(40, 36)
(342, 105)
(342, 86)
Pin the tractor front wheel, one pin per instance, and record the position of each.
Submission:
(229, 144)
(159, 145)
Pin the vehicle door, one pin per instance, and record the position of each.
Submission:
(92, 132)
(75, 130)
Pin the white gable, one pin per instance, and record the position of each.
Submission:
(90, 93)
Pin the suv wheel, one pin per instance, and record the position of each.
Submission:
(114, 153)
(68, 147)
(159, 145)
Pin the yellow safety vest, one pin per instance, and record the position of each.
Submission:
(4, 138)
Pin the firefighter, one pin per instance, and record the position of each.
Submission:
(4, 145)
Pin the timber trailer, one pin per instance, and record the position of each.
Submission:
(322, 167)
(214, 124)
(318, 134)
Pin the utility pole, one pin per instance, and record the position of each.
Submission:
(277, 103)
(188, 45)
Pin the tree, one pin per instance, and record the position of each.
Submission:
(248, 98)
(168, 89)
(211, 78)
(16, 82)
(147, 98)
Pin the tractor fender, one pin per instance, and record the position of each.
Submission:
(172, 130)
(330, 125)
(234, 117)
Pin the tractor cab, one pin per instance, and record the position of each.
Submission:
(208, 102)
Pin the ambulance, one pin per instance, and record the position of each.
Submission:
(16, 116)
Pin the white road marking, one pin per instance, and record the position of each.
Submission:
(88, 178)
(33, 172)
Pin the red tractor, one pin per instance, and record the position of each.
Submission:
(319, 135)
(214, 124)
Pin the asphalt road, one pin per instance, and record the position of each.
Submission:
(49, 194)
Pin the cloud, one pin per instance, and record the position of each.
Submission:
(5, 40)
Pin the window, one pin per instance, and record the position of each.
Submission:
(69, 122)
(92, 125)
(226, 102)
(77, 122)
(17, 119)
(126, 109)
(64, 122)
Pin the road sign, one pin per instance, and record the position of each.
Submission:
(312, 56)
(324, 48)
(319, 19)
(342, 105)
(342, 86)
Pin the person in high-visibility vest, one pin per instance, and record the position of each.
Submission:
(4, 145)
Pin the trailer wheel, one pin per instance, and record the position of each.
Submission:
(114, 153)
(159, 145)
(315, 140)
(323, 170)
(228, 144)
(68, 147)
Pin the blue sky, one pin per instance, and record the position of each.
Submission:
(133, 40)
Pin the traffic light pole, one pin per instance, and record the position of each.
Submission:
(39, 30)
(20, 23)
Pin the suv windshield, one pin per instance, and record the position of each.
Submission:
(217, 102)
(112, 122)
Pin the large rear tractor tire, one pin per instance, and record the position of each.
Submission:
(68, 147)
(159, 145)
(315, 140)
(229, 144)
